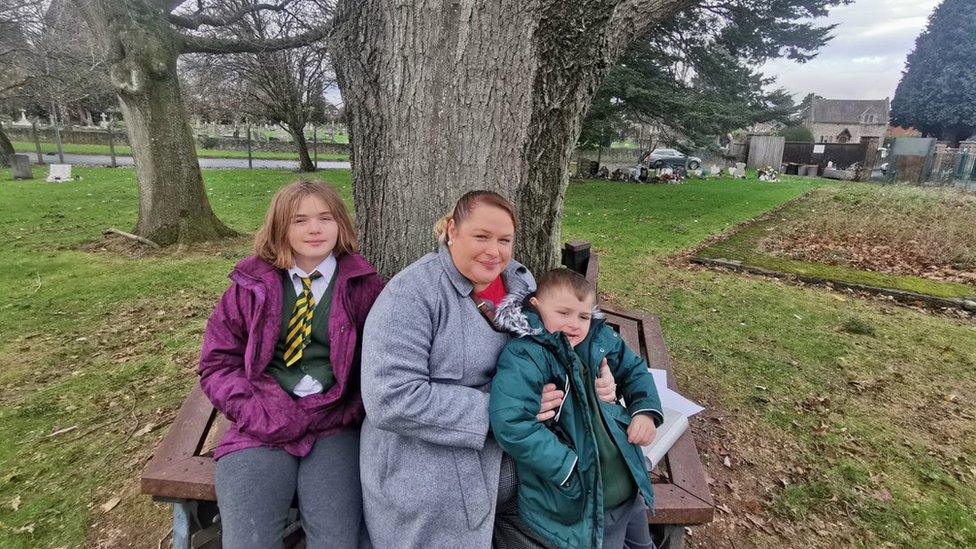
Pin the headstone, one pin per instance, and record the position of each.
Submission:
(59, 173)
(23, 119)
(104, 123)
(22, 167)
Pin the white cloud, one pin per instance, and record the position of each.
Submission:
(867, 55)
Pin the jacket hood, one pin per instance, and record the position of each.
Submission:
(517, 316)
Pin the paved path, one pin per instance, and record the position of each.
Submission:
(205, 163)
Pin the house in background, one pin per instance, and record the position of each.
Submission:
(846, 120)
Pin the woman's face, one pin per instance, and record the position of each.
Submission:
(481, 246)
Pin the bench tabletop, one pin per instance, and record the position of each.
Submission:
(183, 466)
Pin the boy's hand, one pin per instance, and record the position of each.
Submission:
(606, 386)
(641, 430)
(551, 399)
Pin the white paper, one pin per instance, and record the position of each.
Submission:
(675, 424)
(671, 399)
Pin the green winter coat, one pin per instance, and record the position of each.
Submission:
(560, 489)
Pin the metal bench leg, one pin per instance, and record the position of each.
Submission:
(184, 523)
(674, 537)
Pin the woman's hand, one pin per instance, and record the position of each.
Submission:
(606, 386)
(552, 398)
(641, 430)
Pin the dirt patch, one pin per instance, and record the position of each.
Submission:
(900, 231)
(120, 246)
(866, 253)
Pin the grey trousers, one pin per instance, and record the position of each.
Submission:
(625, 527)
(256, 487)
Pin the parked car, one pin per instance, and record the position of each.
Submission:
(659, 158)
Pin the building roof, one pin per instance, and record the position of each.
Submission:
(847, 111)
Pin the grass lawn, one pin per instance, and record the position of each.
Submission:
(124, 150)
(909, 239)
(844, 422)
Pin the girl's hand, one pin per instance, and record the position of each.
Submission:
(551, 399)
(606, 386)
(641, 430)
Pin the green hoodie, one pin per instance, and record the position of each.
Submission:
(562, 463)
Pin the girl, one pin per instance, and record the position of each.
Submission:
(280, 360)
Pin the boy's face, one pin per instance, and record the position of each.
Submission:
(562, 311)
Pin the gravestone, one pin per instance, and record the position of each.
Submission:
(59, 173)
(104, 123)
(21, 166)
(23, 119)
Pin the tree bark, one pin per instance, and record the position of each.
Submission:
(443, 97)
(173, 205)
(6, 149)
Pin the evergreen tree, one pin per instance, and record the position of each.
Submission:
(937, 92)
(693, 74)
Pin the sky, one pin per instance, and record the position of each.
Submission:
(867, 55)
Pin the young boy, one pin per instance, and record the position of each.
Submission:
(582, 479)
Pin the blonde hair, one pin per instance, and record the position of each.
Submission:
(463, 207)
(271, 240)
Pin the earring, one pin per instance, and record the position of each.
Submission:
(449, 243)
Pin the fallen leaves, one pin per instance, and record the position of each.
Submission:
(110, 504)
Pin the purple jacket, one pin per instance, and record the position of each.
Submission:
(239, 343)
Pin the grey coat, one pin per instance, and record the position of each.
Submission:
(429, 467)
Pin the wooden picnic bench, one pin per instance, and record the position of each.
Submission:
(181, 470)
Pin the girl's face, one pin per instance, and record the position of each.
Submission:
(481, 246)
(312, 233)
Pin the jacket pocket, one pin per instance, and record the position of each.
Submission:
(564, 503)
(474, 490)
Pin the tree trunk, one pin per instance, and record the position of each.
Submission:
(305, 163)
(446, 97)
(173, 205)
(6, 149)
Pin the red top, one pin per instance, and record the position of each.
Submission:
(494, 293)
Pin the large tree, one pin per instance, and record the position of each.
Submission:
(142, 40)
(937, 92)
(285, 86)
(443, 97)
(693, 75)
(45, 64)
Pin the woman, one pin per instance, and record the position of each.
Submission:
(430, 468)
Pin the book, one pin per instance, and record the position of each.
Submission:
(675, 424)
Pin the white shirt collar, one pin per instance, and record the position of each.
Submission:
(326, 268)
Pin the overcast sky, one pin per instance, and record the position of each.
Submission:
(867, 54)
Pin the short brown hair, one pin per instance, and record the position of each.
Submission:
(463, 207)
(271, 240)
(566, 279)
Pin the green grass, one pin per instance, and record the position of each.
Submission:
(107, 342)
(745, 247)
(124, 150)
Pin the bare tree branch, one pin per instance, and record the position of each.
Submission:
(200, 19)
(200, 44)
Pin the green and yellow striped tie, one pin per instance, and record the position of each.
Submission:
(300, 324)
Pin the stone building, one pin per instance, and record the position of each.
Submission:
(846, 120)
